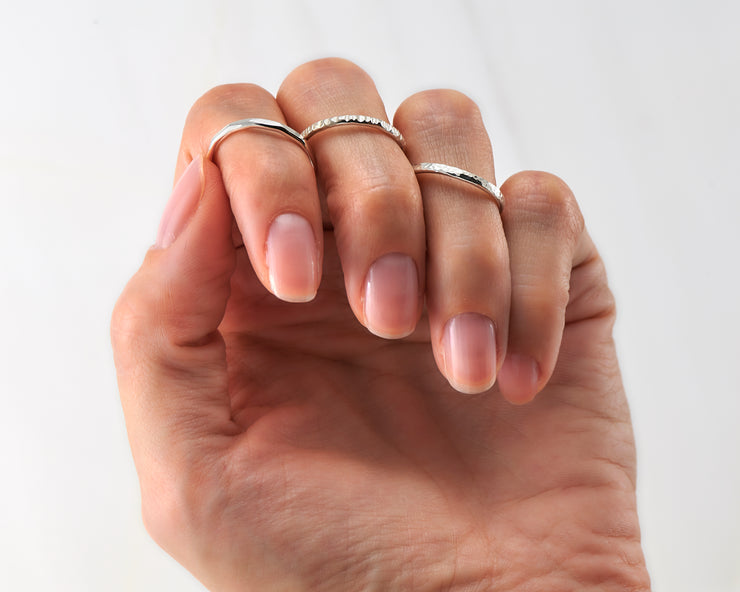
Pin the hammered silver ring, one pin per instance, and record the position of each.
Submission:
(445, 169)
(366, 120)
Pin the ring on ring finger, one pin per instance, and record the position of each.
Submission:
(456, 173)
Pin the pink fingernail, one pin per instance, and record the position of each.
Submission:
(520, 375)
(181, 206)
(292, 258)
(392, 296)
(470, 352)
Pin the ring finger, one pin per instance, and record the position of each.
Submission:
(468, 279)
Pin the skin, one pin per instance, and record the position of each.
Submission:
(283, 446)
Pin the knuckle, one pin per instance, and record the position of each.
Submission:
(323, 67)
(220, 105)
(319, 81)
(270, 166)
(367, 197)
(546, 200)
(226, 97)
(439, 109)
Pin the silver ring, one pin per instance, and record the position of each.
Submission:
(323, 124)
(463, 175)
(256, 122)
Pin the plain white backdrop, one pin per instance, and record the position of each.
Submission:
(635, 104)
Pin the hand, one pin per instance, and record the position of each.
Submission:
(284, 446)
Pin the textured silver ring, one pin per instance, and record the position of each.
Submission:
(323, 124)
(463, 175)
(256, 123)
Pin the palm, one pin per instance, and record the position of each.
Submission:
(354, 441)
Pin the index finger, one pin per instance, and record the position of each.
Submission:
(271, 187)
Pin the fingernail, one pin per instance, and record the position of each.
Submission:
(292, 259)
(182, 204)
(519, 376)
(470, 352)
(392, 296)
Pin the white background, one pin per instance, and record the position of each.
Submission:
(636, 104)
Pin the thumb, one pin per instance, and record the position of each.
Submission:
(170, 358)
(194, 256)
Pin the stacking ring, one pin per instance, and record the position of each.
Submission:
(257, 123)
(323, 124)
(456, 173)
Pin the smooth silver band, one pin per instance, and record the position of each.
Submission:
(256, 122)
(323, 124)
(463, 175)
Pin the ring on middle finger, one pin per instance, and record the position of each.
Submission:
(365, 120)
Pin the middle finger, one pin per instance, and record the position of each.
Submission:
(372, 196)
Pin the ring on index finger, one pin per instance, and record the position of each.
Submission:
(256, 123)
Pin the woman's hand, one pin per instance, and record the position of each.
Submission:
(283, 445)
